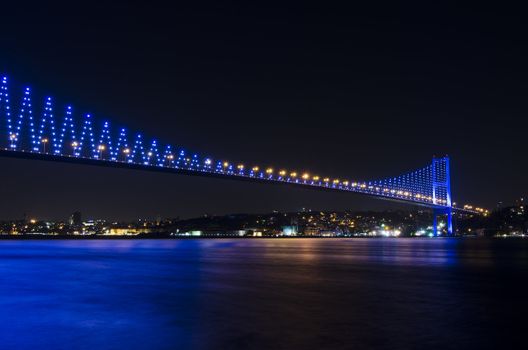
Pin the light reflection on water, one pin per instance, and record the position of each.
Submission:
(261, 293)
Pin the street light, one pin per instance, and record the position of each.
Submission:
(13, 138)
(44, 141)
(101, 148)
(170, 157)
(75, 144)
(126, 152)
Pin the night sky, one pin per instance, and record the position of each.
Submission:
(348, 92)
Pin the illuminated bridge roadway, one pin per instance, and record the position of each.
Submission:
(58, 136)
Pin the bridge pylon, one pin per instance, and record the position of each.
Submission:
(441, 186)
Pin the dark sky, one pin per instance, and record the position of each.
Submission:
(361, 93)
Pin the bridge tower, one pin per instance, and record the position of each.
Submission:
(441, 186)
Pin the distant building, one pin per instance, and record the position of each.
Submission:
(289, 230)
(76, 219)
(127, 231)
(311, 231)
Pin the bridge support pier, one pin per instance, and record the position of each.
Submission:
(448, 212)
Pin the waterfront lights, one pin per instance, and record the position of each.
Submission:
(294, 174)
(306, 176)
(326, 179)
(282, 172)
(316, 178)
(240, 167)
(255, 168)
(225, 165)
(126, 151)
(208, 161)
(269, 171)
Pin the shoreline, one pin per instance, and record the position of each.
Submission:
(159, 237)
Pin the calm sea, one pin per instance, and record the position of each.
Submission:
(264, 294)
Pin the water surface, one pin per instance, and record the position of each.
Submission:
(263, 294)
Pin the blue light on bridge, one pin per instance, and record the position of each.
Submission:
(429, 185)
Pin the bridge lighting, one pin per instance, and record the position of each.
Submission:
(413, 186)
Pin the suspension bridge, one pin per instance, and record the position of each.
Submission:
(59, 136)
